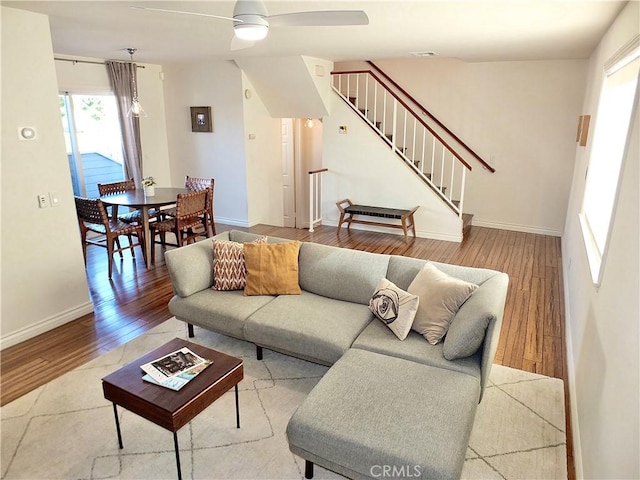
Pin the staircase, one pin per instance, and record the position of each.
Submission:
(420, 144)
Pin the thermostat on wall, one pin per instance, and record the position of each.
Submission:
(26, 133)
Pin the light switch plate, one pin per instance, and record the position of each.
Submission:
(54, 199)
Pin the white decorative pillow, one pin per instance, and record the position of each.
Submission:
(441, 296)
(229, 268)
(395, 307)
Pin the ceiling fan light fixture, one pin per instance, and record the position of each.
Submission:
(248, 31)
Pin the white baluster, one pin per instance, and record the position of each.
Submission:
(424, 139)
(442, 169)
(453, 167)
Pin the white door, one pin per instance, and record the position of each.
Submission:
(288, 174)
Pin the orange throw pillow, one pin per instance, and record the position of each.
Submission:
(272, 269)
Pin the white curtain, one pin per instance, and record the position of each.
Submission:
(123, 76)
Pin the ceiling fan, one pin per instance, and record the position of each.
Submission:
(251, 21)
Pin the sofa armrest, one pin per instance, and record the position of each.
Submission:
(477, 324)
(191, 267)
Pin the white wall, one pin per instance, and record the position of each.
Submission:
(243, 154)
(362, 169)
(264, 161)
(220, 154)
(90, 78)
(520, 117)
(602, 328)
(293, 86)
(43, 277)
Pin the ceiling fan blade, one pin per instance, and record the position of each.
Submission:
(163, 10)
(327, 18)
(239, 44)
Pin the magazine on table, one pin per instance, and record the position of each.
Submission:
(179, 366)
(180, 380)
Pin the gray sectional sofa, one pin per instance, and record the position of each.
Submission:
(386, 408)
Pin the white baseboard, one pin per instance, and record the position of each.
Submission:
(232, 221)
(516, 227)
(571, 374)
(45, 325)
(395, 231)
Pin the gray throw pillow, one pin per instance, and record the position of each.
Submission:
(441, 296)
(469, 326)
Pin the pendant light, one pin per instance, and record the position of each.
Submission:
(136, 109)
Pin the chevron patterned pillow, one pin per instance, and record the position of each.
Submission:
(229, 269)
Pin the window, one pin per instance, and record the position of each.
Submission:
(615, 109)
(94, 142)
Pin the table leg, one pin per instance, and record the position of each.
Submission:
(147, 236)
(175, 443)
(237, 408)
(115, 413)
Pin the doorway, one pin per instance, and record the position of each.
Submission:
(301, 152)
(288, 174)
(93, 140)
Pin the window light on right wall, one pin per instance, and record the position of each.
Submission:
(617, 103)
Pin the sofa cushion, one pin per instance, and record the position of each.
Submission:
(245, 237)
(371, 411)
(468, 274)
(468, 328)
(402, 270)
(377, 338)
(340, 273)
(441, 296)
(190, 267)
(229, 268)
(394, 307)
(272, 269)
(224, 312)
(309, 326)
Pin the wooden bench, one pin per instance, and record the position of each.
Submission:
(346, 207)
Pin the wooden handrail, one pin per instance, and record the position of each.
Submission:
(404, 104)
(318, 171)
(430, 115)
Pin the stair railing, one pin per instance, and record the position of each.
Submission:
(413, 140)
(442, 126)
(315, 197)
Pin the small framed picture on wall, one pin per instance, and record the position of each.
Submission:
(201, 119)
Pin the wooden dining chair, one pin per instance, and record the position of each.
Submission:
(191, 211)
(195, 184)
(92, 217)
(113, 188)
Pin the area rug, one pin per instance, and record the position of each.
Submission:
(66, 429)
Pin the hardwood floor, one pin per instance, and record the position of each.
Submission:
(532, 336)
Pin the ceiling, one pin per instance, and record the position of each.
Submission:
(472, 30)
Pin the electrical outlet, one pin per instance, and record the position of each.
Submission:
(43, 201)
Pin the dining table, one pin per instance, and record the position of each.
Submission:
(137, 199)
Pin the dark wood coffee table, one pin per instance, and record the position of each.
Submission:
(168, 408)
